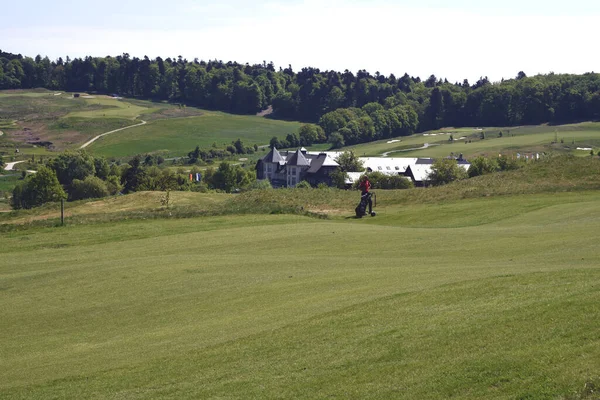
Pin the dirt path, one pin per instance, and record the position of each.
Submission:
(86, 144)
(11, 165)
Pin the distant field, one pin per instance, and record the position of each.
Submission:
(42, 117)
(176, 137)
(514, 139)
(489, 298)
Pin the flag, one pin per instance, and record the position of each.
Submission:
(518, 155)
(191, 177)
(198, 176)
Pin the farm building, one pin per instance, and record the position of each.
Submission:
(288, 168)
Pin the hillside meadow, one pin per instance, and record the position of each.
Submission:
(488, 292)
(41, 122)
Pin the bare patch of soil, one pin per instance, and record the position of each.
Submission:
(264, 113)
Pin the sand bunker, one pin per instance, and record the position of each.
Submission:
(393, 141)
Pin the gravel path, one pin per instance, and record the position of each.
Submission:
(86, 144)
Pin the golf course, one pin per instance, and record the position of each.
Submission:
(483, 288)
(570, 139)
(42, 122)
(471, 290)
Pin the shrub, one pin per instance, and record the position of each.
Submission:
(444, 171)
(508, 164)
(481, 166)
(90, 188)
(303, 185)
(382, 181)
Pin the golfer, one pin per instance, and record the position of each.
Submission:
(365, 186)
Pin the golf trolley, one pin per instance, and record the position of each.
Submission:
(361, 208)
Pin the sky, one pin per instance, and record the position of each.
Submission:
(456, 39)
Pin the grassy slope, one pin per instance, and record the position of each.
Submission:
(179, 136)
(69, 122)
(286, 306)
(521, 139)
(447, 293)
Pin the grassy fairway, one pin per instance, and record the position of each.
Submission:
(418, 302)
(66, 122)
(520, 139)
(179, 136)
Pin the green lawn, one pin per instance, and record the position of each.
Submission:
(515, 139)
(489, 298)
(178, 136)
(8, 180)
(108, 107)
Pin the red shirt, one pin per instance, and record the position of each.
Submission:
(365, 186)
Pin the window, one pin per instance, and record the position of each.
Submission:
(397, 168)
(379, 168)
(269, 168)
(388, 168)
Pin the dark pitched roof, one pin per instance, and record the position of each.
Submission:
(298, 159)
(315, 165)
(273, 157)
(319, 162)
(424, 161)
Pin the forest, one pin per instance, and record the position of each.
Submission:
(355, 107)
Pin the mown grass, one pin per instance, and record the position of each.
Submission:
(176, 137)
(108, 107)
(284, 306)
(8, 180)
(515, 139)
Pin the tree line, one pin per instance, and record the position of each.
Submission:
(79, 175)
(311, 95)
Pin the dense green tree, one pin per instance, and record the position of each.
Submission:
(229, 177)
(309, 134)
(90, 188)
(312, 95)
(73, 165)
(37, 189)
(349, 162)
(336, 140)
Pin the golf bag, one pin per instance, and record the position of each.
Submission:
(361, 208)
